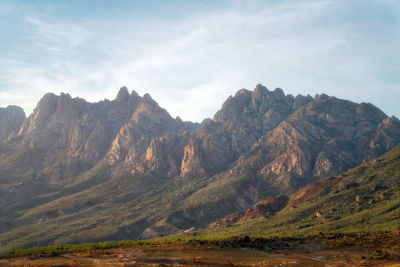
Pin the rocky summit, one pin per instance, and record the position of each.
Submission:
(11, 119)
(75, 171)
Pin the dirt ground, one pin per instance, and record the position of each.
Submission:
(357, 249)
(207, 256)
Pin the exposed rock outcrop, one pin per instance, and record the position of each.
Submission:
(324, 137)
(264, 208)
(149, 233)
(242, 120)
(191, 163)
(120, 162)
(120, 130)
(141, 135)
(163, 157)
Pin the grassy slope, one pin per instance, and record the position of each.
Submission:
(366, 198)
(95, 208)
(121, 208)
(115, 209)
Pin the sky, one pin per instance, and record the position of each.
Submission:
(191, 55)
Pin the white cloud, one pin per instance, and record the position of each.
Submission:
(190, 65)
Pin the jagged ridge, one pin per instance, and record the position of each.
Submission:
(126, 165)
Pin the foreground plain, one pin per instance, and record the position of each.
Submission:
(362, 249)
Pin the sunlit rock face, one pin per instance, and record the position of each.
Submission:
(191, 163)
(325, 136)
(290, 138)
(144, 141)
(125, 165)
(92, 131)
(84, 130)
(242, 120)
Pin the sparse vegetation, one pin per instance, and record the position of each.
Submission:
(51, 197)
(368, 248)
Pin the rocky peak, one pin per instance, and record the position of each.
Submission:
(148, 101)
(134, 94)
(278, 94)
(84, 129)
(149, 112)
(68, 108)
(367, 111)
(241, 121)
(261, 143)
(319, 97)
(386, 137)
(391, 121)
(53, 107)
(260, 100)
(11, 119)
(47, 102)
(233, 106)
(41, 114)
(123, 95)
(263, 100)
(300, 101)
(13, 109)
(134, 99)
(147, 104)
(147, 123)
(324, 137)
(243, 92)
(258, 95)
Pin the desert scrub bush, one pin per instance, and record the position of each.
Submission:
(377, 255)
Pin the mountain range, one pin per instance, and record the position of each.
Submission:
(75, 171)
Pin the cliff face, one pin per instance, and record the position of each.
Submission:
(324, 137)
(147, 124)
(127, 165)
(242, 120)
(302, 137)
(93, 131)
(293, 137)
(291, 140)
(162, 157)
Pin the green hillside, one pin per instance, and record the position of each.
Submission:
(366, 198)
(125, 169)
